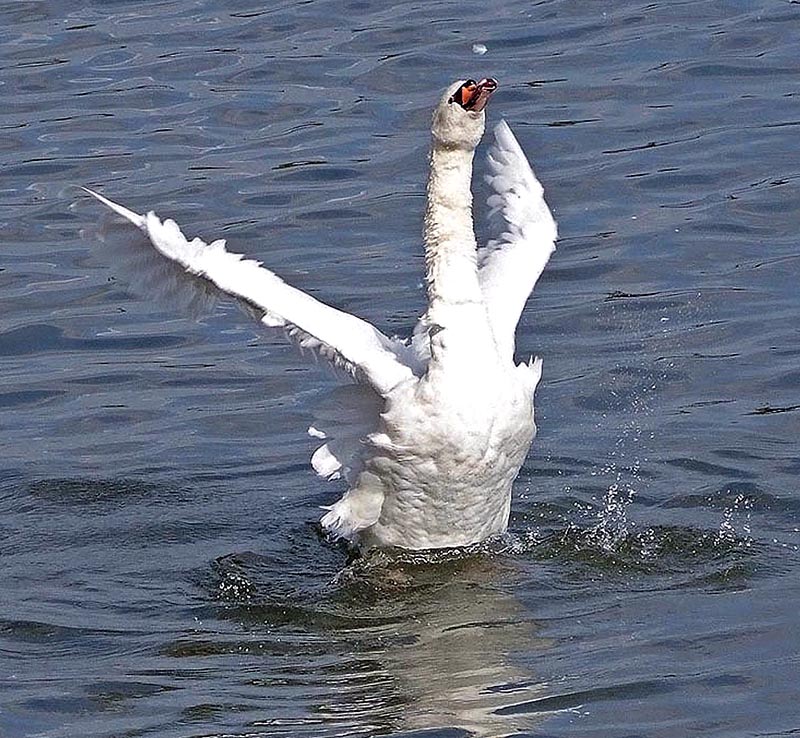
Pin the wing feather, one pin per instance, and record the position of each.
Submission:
(510, 264)
(345, 341)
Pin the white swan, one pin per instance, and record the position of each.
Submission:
(434, 431)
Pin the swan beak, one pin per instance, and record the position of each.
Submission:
(473, 96)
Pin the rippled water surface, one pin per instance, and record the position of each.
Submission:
(162, 573)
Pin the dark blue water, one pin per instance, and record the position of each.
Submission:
(162, 574)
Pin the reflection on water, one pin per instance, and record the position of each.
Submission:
(649, 583)
(296, 641)
(426, 641)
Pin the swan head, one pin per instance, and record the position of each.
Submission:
(459, 118)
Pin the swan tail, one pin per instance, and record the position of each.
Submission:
(343, 340)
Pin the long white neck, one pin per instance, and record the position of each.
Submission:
(450, 249)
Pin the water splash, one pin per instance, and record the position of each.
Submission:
(613, 525)
(735, 525)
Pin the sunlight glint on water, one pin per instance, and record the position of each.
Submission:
(163, 574)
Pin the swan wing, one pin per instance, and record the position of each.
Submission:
(345, 341)
(343, 418)
(510, 264)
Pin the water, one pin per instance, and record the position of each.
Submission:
(162, 574)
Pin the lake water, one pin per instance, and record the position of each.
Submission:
(162, 572)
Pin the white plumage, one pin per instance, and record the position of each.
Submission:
(433, 432)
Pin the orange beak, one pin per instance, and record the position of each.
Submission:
(474, 95)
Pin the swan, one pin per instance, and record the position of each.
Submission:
(432, 430)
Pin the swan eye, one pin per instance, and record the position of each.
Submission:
(464, 94)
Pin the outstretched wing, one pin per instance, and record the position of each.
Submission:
(509, 265)
(344, 340)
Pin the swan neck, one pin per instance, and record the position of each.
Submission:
(450, 248)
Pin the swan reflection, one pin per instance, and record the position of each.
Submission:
(403, 643)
